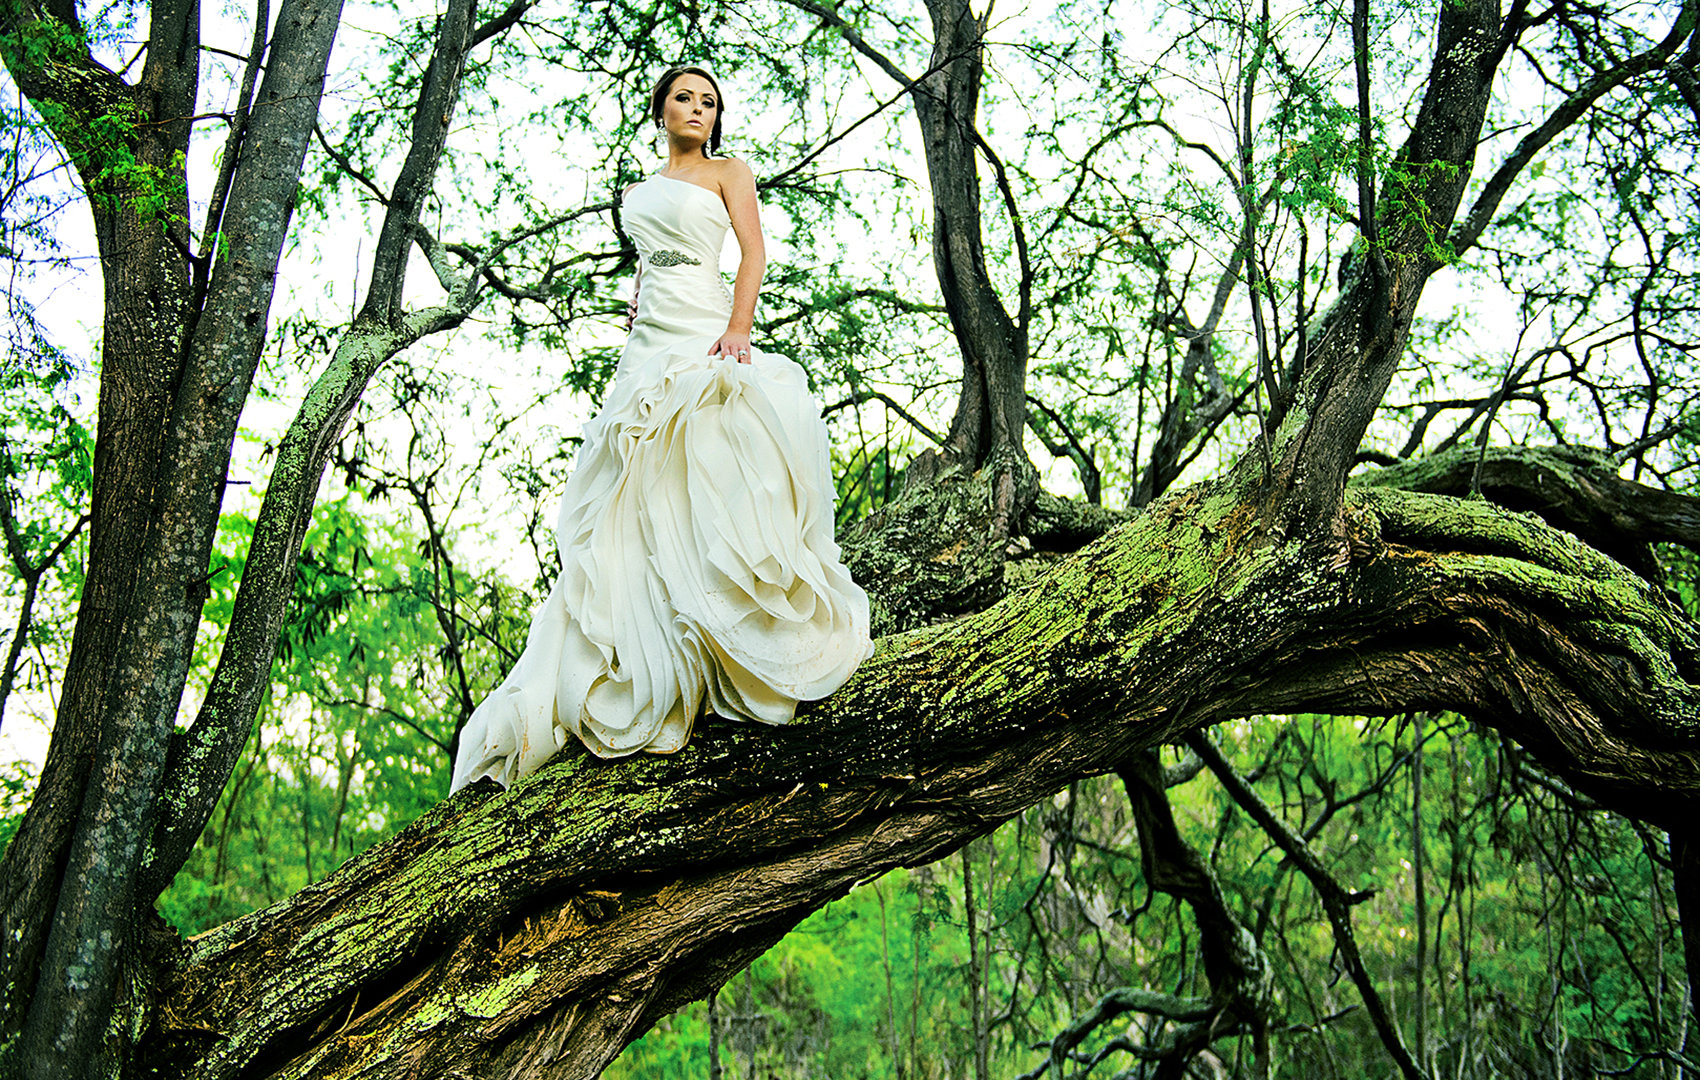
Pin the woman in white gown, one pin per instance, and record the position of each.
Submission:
(696, 532)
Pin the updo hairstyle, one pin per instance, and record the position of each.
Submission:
(664, 86)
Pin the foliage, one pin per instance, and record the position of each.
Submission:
(17, 783)
(354, 740)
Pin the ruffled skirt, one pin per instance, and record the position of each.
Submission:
(697, 565)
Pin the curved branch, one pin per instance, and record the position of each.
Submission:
(558, 920)
(830, 16)
(1361, 338)
(1024, 288)
(1336, 902)
(1119, 1002)
(797, 166)
(889, 402)
(506, 20)
(1572, 489)
(1082, 457)
(348, 167)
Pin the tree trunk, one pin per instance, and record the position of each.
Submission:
(991, 410)
(1355, 349)
(118, 805)
(146, 299)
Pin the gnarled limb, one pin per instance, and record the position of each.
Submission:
(1571, 488)
(1117, 1003)
(1234, 964)
(544, 927)
(1336, 902)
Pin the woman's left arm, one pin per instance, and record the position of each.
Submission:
(738, 189)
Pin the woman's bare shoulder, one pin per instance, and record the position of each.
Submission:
(734, 179)
(732, 170)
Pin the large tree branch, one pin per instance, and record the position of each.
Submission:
(990, 419)
(48, 56)
(555, 921)
(225, 353)
(439, 92)
(96, 117)
(1360, 340)
(1573, 489)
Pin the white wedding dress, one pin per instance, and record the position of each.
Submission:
(696, 534)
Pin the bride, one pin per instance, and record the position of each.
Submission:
(696, 532)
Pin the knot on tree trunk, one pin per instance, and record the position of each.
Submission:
(958, 539)
(939, 549)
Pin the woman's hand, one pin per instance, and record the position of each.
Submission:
(734, 344)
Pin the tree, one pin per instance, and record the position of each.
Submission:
(122, 796)
(547, 926)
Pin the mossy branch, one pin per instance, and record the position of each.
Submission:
(557, 920)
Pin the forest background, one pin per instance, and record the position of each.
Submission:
(1164, 200)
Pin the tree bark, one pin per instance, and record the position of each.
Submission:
(1571, 488)
(203, 758)
(987, 429)
(146, 301)
(991, 410)
(1356, 347)
(140, 644)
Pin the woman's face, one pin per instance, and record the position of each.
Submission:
(690, 108)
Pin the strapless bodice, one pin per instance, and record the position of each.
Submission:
(679, 229)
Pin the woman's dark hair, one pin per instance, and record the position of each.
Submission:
(664, 85)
